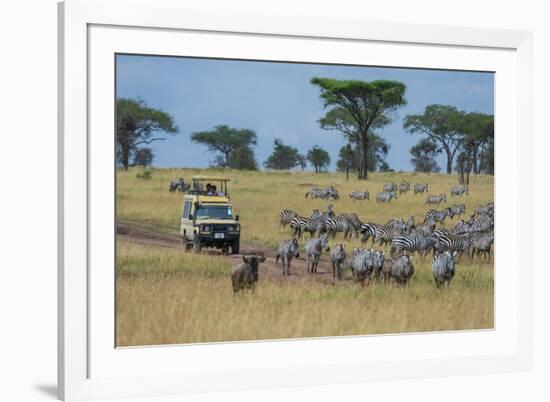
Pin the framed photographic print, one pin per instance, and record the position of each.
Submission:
(255, 201)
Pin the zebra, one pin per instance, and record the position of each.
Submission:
(436, 199)
(453, 242)
(362, 266)
(360, 195)
(338, 259)
(368, 230)
(341, 223)
(404, 187)
(481, 243)
(329, 193)
(287, 250)
(313, 248)
(400, 270)
(385, 233)
(426, 227)
(285, 217)
(378, 264)
(179, 185)
(459, 190)
(413, 243)
(420, 188)
(443, 268)
(410, 225)
(437, 216)
(386, 196)
(487, 209)
(482, 223)
(389, 187)
(457, 209)
(300, 224)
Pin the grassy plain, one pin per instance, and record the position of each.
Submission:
(167, 296)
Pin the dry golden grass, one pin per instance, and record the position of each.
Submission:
(167, 296)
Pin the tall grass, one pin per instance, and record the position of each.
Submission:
(168, 296)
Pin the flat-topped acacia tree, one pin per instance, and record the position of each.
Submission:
(367, 105)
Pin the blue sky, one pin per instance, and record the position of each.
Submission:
(276, 100)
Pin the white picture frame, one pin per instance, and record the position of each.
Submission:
(91, 32)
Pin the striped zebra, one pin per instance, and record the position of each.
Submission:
(482, 223)
(338, 259)
(389, 187)
(436, 199)
(426, 227)
(459, 190)
(457, 209)
(481, 244)
(420, 188)
(367, 231)
(300, 224)
(386, 196)
(285, 217)
(385, 233)
(362, 265)
(313, 248)
(443, 268)
(453, 242)
(400, 270)
(288, 249)
(340, 223)
(413, 243)
(360, 195)
(410, 225)
(437, 216)
(404, 187)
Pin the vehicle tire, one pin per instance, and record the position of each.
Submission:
(196, 244)
(235, 246)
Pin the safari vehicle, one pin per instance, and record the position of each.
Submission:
(207, 218)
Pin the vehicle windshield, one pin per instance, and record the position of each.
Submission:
(214, 212)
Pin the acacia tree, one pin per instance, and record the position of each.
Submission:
(282, 157)
(319, 158)
(478, 130)
(226, 141)
(243, 159)
(347, 159)
(442, 124)
(138, 124)
(143, 157)
(361, 107)
(424, 154)
(302, 161)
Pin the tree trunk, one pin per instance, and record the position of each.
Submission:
(125, 157)
(449, 160)
(364, 144)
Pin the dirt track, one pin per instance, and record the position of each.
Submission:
(268, 269)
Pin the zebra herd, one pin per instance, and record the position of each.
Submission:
(473, 237)
(390, 191)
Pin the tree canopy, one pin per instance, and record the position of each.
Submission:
(282, 157)
(319, 158)
(424, 154)
(226, 140)
(356, 108)
(143, 157)
(443, 124)
(138, 124)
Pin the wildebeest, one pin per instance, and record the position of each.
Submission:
(245, 276)
(287, 250)
(443, 268)
(459, 190)
(338, 259)
(420, 188)
(436, 199)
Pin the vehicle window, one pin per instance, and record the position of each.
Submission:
(214, 212)
(186, 209)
